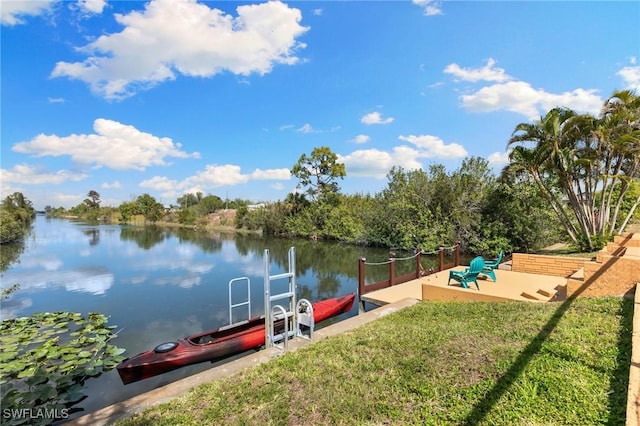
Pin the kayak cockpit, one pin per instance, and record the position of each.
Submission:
(165, 347)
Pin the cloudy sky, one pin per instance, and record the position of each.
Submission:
(173, 96)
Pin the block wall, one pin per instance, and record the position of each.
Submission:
(616, 276)
(627, 240)
(557, 266)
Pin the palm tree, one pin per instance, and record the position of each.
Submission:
(621, 115)
(530, 161)
(551, 161)
(587, 159)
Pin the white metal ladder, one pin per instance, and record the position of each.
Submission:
(246, 303)
(293, 314)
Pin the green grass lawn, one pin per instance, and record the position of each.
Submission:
(512, 363)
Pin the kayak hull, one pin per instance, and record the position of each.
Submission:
(215, 344)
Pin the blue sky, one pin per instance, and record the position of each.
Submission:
(168, 96)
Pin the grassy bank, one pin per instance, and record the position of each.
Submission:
(436, 363)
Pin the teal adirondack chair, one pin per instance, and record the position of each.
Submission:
(490, 265)
(469, 275)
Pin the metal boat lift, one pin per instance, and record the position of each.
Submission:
(297, 315)
(294, 317)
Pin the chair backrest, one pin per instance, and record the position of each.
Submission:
(499, 257)
(476, 265)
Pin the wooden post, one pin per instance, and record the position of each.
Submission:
(418, 263)
(361, 276)
(457, 253)
(441, 258)
(392, 268)
(361, 281)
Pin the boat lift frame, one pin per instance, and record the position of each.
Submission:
(246, 303)
(296, 314)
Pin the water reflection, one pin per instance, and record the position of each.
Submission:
(162, 284)
(145, 237)
(94, 236)
(10, 254)
(94, 280)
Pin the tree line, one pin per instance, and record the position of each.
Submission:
(191, 209)
(571, 177)
(421, 209)
(16, 215)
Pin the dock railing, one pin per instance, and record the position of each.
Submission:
(420, 271)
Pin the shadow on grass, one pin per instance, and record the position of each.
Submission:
(620, 378)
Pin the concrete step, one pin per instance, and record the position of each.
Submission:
(577, 276)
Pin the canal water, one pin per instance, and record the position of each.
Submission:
(160, 284)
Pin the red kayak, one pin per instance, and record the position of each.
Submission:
(215, 344)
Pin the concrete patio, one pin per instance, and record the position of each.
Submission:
(509, 285)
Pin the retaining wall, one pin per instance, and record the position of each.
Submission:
(558, 266)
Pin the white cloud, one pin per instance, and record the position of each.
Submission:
(92, 6)
(434, 147)
(306, 128)
(56, 100)
(159, 183)
(42, 196)
(361, 139)
(115, 185)
(30, 175)
(377, 164)
(407, 157)
(114, 145)
(375, 118)
(486, 73)
(579, 100)
(171, 37)
(498, 159)
(215, 176)
(520, 97)
(431, 7)
(317, 12)
(14, 12)
(367, 163)
(631, 76)
(271, 174)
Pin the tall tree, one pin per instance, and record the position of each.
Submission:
(188, 200)
(319, 173)
(16, 214)
(93, 200)
(210, 204)
(149, 207)
(585, 163)
(472, 182)
(621, 128)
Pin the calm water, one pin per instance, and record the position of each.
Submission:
(159, 285)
